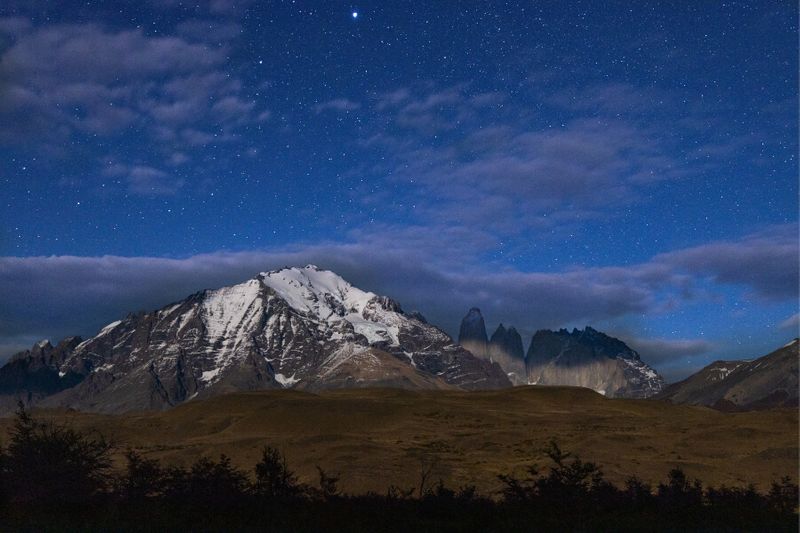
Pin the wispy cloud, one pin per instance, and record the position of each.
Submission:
(144, 180)
(791, 323)
(659, 351)
(171, 92)
(466, 157)
(341, 105)
(766, 262)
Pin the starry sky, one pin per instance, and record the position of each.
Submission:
(627, 165)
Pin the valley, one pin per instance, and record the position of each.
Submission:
(374, 438)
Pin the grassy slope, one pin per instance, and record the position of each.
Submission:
(375, 438)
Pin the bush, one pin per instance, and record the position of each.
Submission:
(143, 478)
(783, 496)
(206, 482)
(328, 485)
(274, 480)
(46, 467)
(50, 463)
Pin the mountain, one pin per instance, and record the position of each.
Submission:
(302, 328)
(589, 358)
(505, 348)
(36, 371)
(472, 334)
(769, 381)
(581, 358)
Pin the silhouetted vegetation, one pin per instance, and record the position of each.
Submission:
(45, 462)
(54, 478)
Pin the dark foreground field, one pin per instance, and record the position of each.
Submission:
(374, 438)
(387, 460)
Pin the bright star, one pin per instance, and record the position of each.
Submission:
(355, 14)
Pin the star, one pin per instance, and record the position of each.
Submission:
(355, 14)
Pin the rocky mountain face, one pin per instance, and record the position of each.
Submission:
(581, 358)
(472, 333)
(300, 328)
(769, 381)
(35, 371)
(589, 358)
(505, 348)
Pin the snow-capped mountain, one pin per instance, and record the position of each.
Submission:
(302, 328)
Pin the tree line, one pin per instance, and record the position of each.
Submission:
(55, 478)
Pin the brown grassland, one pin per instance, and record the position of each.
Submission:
(374, 438)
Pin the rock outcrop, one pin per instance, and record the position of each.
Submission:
(589, 358)
(472, 334)
(505, 348)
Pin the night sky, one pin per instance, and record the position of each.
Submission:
(627, 165)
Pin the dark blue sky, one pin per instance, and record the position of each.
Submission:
(628, 165)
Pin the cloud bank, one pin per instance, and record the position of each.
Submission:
(63, 295)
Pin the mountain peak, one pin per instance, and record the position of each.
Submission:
(594, 360)
(505, 344)
(767, 382)
(320, 291)
(299, 327)
(472, 333)
(473, 327)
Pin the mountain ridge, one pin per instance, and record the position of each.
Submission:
(740, 385)
(583, 358)
(289, 328)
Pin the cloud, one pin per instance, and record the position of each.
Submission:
(144, 180)
(611, 98)
(342, 105)
(63, 295)
(216, 7)
(472, 158)
(793, 323)
(208, 30)
(767, 262)
(10, 26)
(660, 351)
(178, 158)
(429, 110)
(170, 93)
(151, 181)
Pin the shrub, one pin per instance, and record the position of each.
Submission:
(51, 463)
(274, 480)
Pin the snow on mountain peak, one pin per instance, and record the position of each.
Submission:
(294, 327)
(226, 309)
(331, 298)
(306, 289)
